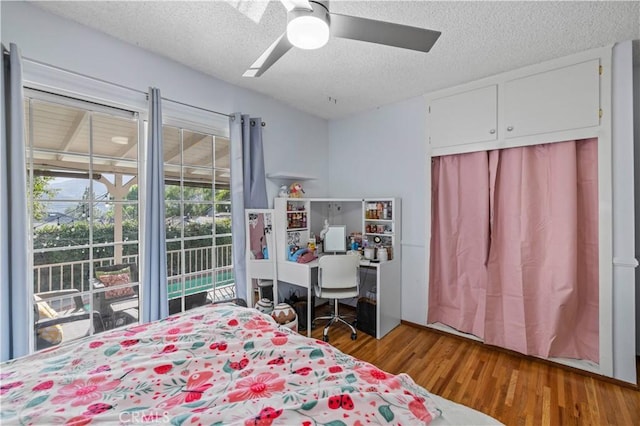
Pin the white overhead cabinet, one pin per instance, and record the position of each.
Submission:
(520, 108)
(463, 118)
(561, 99)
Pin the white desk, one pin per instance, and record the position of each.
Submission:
(388, 292)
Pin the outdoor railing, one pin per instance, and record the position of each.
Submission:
(197, 263)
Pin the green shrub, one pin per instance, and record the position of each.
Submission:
(68, 244)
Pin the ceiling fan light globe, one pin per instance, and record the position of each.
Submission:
(308, 32)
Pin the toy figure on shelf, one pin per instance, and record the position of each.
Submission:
(295, 190)
(325, 229)
(283, 192)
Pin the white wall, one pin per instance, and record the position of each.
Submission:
(382, 153)
(294, 141)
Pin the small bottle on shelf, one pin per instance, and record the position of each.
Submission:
(311, 244)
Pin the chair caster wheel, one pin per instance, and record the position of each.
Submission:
(325, 338)
(354, 336)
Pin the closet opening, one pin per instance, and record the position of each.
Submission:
(514, 255)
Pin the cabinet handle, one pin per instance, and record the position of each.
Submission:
(510, 128)
(492, 131)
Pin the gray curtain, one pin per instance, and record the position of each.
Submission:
(248, 186)
(16, 313)
(155, 303)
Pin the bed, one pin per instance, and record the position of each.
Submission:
(217, 364)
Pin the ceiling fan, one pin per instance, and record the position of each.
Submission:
(309, 25)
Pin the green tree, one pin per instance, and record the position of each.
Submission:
(129, 211)
(195, 194)
(223, 195)
(86, 208)
(40, 191)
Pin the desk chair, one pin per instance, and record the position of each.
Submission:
(338, 278)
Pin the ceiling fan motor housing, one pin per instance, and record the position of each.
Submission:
(324, 4)
(309, 29)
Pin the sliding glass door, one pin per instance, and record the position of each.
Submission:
(82, 175)
(83, 196)
(198, 217)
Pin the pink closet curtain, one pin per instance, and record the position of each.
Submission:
(542, 270)
(459, 241)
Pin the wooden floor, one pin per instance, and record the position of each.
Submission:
(513, 389)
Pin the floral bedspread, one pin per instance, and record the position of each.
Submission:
(219, 364)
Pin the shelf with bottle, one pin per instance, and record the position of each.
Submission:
(378, 228)
(378, 210)
(296, 205)
(297, 220)
(297, 214)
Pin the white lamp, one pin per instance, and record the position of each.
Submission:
(308, 29)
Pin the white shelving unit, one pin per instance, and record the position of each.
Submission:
(381, 224)
(298, 218)
(292, 219)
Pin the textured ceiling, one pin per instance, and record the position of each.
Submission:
(479, 39)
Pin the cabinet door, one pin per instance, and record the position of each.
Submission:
(562, 99)
(463, 118)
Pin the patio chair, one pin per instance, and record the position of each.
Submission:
(118, 303)
(53, 327)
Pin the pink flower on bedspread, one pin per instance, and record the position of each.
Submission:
(82, 392)
(256, 323)
(172, 334)
(254, 387)
(374, 376)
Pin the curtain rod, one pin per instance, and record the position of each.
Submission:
(5, 52)
(253, 122)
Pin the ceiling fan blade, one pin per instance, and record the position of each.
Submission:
(296, 4)
(381, 32)
(269, 57)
